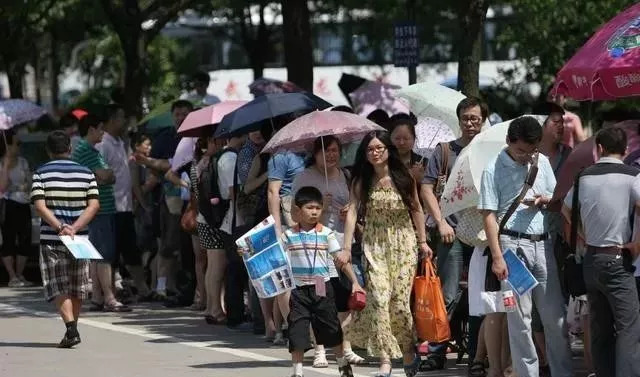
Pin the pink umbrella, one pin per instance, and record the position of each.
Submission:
(376, 95)
(608, 65)
(585, 155)
(195, 124)
(299, 134)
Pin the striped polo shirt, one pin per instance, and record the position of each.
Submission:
(309, 252)
(65, 186)
(87, 155)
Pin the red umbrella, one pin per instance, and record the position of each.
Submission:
(608, 65)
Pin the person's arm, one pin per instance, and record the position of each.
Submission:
(417, 216)
(159, 165)
(175, 179)
(273, 201)
(347, 269)
(104, 176)
(499, 267)
(344, 256)
(447, 234)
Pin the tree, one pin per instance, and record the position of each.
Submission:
(21, 22)
(546, 35)
(297, 43)
(471, 17)
(127, 18)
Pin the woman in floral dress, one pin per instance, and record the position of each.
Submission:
(385, 189)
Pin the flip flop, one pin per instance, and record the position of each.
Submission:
(117, 308)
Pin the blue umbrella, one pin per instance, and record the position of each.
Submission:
(251, 116)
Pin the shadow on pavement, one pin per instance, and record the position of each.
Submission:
(242, 365)
(28, 345)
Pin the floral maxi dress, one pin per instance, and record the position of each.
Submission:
(389, 242)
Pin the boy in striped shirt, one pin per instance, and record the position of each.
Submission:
(310, 245)
(65, 195)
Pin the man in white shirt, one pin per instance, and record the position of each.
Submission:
(116, 153)
(236, 275)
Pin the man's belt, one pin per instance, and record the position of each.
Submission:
(530, 237)
(612, 250)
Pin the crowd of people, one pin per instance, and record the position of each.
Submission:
(352, 218)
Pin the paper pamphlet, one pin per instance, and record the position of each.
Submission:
(81, 247)
(520, 278)
(266, 260)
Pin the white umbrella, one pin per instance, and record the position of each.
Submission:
(17, 111)
(430, 132)
(463, 186)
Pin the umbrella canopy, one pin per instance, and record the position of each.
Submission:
(299, 134)
(434, 101)
(197, 122)
(373, 95)
(158, 111)
(585, 154)
(607, 66)
(430, 132)
(17, 111)
(248, 117)
(349, 83)
(264, 86)
(184, 153)
(463, 186)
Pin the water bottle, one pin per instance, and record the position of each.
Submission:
(508, 298)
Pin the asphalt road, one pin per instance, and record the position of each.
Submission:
(150, 341)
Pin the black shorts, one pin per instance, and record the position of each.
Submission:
(341, 294)
(306, 308)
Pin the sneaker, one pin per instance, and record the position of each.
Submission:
(26, 282)
(279, 340)
(16, 283)
(68, 342)
(345, 371)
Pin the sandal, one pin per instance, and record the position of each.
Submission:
(353, 358)
(476, 369)
(384, 374)
(116, 307)
(320, 360)
(433, 362)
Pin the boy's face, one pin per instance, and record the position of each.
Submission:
(310, 213)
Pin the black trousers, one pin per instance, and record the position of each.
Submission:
(236, 281)
(614, 314)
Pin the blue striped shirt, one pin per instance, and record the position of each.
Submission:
(309, 252)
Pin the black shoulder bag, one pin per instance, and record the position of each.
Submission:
(571, 271)
(491, 282)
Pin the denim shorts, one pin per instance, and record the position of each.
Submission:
(102, 234)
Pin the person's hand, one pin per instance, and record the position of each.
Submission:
(241, 251)
(67, 230)
(540, 201)
(343, 213)
(343, 257)
(499, 267)
(140, 158)
(425, 250)
(417, 170)
(447, 234)
(355, 287)
(633, 247)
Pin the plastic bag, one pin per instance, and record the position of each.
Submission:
(429, 310)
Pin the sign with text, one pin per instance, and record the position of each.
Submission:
(406, 52)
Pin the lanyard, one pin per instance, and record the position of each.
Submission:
(315, 251)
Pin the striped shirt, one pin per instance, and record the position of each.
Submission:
(65, 186)
(309, 252)
(87, 155)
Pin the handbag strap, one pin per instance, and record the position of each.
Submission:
(528, 183)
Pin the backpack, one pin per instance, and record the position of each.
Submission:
(208, 189)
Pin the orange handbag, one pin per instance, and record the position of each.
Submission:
(430, 313)
(188, 220)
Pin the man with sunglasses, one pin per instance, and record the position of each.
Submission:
(527, 233)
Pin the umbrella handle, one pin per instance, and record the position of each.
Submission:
(324, 158)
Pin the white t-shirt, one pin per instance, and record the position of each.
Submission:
(226, 167)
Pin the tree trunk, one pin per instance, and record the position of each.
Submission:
(15, 76)
(54, 72)
(297, 43)
(134, 50)
(471, 14)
